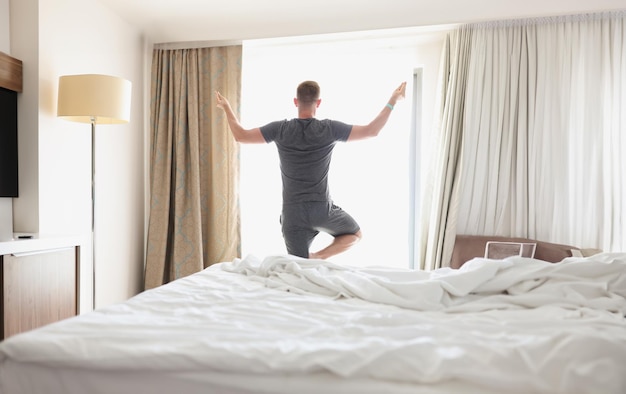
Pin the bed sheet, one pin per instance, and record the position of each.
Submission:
(285, 324)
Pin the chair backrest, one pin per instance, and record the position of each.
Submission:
(501, 250)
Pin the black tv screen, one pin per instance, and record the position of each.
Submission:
(8, 143)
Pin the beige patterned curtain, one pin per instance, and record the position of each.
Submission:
(194, 211)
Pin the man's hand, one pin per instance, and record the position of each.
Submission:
(222, 102)
(239, 133)
(398, 94)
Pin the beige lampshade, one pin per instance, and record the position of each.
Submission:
(103, 98)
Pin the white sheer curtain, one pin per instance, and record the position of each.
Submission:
(440, 198)
(543, 134)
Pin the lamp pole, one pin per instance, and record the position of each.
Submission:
(93, 212)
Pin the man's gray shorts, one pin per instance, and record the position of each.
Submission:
(301, 222)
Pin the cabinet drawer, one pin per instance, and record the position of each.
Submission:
(37, 289)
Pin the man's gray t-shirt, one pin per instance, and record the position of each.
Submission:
(305, 147)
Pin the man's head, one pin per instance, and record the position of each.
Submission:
(308, 93)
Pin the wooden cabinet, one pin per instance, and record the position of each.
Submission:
(37, 288)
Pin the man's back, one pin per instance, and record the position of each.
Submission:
(305, 149)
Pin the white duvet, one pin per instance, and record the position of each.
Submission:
(514, 325)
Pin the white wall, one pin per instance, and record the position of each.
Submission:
(6, 204)
(24, 46)
(55, 38)
(5, 45)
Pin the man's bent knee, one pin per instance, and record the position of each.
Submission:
(340, 244)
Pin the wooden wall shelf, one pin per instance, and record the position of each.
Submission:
(10, 72)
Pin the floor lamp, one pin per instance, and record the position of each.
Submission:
(94, 98)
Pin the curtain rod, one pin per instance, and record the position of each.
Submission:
(551, 19)
(196, 44)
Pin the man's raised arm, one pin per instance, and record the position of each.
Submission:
(250, 136)
(375, 126)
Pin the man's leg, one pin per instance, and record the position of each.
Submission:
(340, 244)
(298, 242)
(297, 234)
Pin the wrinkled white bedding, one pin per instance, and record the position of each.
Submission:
(515, 325)
(598, 283)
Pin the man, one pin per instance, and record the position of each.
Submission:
(305, 146)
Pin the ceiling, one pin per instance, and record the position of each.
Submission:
(165, 21)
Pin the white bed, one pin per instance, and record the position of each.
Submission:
(288, 325)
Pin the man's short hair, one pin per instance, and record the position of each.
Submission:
(308, 92)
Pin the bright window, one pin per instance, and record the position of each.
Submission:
(369, 179)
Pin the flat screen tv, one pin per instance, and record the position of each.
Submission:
(8, 143)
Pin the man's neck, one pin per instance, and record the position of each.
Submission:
(306, 113)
